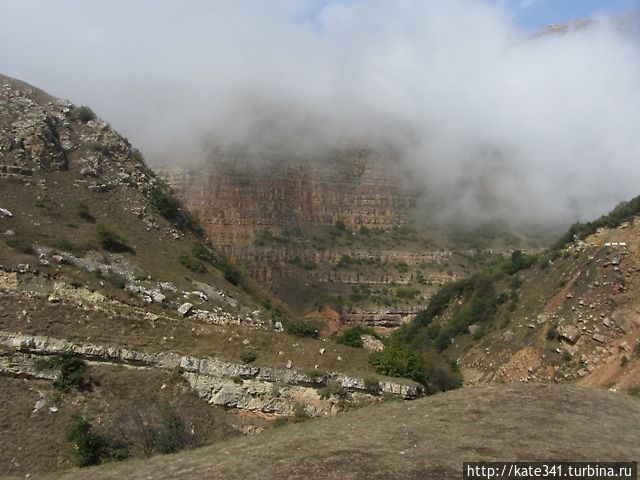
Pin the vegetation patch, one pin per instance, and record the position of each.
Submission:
(111, 241)
(20, 244)
(407, 292)
(83, 114)
(192, 264)
(83, 212)
(73, 372)
(353, 336)
(248, 356)
(89, 448)
(301, 329)
(623, 212)
(397, 360)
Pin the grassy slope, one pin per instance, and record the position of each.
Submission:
(423, 439)
(33, 442)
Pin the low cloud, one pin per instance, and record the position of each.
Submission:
(493, 122)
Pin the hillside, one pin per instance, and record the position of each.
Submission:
(571, 314)
(428, 438)
(341, 235)
(113, 302)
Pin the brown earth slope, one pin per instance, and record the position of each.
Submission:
(429, 438)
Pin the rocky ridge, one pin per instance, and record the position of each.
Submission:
(257, 390)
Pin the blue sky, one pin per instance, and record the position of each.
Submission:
(529, 14)
(534, 14)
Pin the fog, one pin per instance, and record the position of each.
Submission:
(492, 121)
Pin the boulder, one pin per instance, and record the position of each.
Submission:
(622, 322)
(158, 297)
(372, 343)
(569, 333)
(185, 308)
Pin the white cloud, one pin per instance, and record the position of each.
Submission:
(548, 125)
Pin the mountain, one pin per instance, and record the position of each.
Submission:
(339, 234)
(571, 314)
(120, 321)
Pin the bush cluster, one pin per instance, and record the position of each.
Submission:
(73, 372)
(111, 241)
(300, 329)
(89, 447)
(247, 356)
(192, 264)
(397, 360)
(621, 213)
(83, 114)
(353, 336)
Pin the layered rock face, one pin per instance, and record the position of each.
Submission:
(234, 196)
(275, 215)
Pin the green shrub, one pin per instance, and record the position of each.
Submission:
(137, 156)
(519, 261)
(625, 361)
(84, 213)
(83, 114)
(399, 361)
(248, 356)
(111, 241)
(407, 292)
(552, 333)
(621, 213)
(634, 392)
(402, 267)
(43, 201)
(264, 237)
(165, 203)
(89, 447)
(66, 245)
(73, 372)
(352, 336)
(442, 374)
(229, 271)
(192, 264)
(21, 244)
(201, 252)
(300, 329)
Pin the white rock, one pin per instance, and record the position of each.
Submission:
(158, 297)
(185, 308)
(40, 404)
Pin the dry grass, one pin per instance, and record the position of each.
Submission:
(429, 438)
(33, 442)
(123, 327)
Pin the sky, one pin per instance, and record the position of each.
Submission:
(491, 119)
(534, 14)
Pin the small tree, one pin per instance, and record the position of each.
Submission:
(89, 447)
(399, 361)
